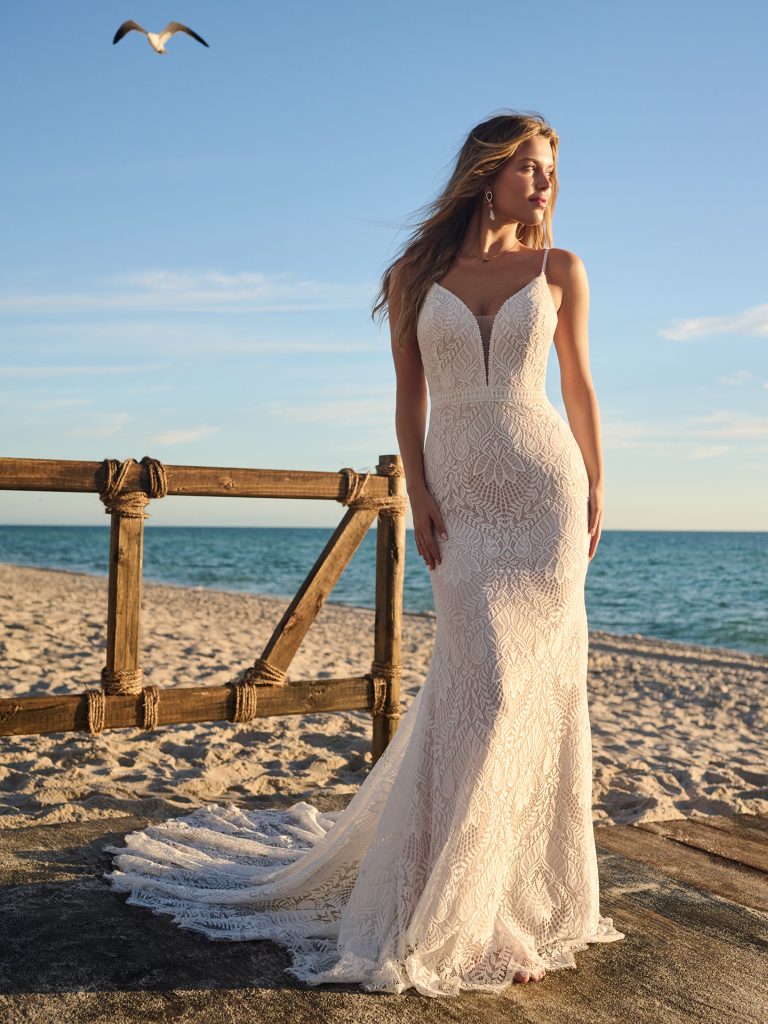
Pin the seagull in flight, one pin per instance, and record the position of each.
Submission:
(157, 41)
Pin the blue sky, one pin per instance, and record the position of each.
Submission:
(192, 242)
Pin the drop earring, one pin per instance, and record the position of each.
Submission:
(489, 197)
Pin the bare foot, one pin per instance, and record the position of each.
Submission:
(525, 976)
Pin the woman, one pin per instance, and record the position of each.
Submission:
(466, 860)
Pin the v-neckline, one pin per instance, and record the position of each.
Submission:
(494, 315)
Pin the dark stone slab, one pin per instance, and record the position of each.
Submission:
(72, 951)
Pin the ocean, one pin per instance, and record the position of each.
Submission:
(697, 587)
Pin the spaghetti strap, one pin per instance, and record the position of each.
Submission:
(544, 264)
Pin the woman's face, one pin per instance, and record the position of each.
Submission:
(522, 179)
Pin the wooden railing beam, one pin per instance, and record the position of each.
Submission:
(209, 481)
(22, 716)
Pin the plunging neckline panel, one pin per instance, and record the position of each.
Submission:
(495, 316)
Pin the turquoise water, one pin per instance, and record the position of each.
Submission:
(698, 587)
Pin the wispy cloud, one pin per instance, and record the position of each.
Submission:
(74, 371)
(725, 423)
(61, 403)
(625, 433)
(752, 322)
(102, 425)
(172, 338)
(182, 436)
(377, 405)
(357, 412)
(195, 291)
(692, 434)
(737, 378)
(712, 452)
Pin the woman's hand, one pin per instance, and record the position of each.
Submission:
(595, 515)
(426, 520)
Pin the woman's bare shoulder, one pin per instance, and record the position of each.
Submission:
(397, 268)
(565, 263)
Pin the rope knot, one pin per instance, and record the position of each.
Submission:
(96, 711)
(383, 674)
(130, 504)
(354, 483)
(125, 680)
(247, 684)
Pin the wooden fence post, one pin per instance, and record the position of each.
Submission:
(390, 568)
(122, 672)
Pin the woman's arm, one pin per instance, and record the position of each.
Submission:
(572, 345)
(410, 426)
(411, 399)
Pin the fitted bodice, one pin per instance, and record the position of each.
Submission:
(454, 351)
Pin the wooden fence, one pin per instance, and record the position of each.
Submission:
(263, 688)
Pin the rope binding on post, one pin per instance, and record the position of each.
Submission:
(130, 504)
(97, 708)
(392, 504)
(261, 673)
(382, 675)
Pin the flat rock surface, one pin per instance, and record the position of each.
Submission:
(73, 951)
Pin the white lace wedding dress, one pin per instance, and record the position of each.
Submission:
(468, 852)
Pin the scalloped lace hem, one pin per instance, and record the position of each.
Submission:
(397, 975)
(316, 959)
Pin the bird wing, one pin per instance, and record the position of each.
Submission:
(125, 28)
(176, 26)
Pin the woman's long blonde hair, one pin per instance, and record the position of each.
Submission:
(429, 251)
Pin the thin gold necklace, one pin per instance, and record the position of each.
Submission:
(485, 257)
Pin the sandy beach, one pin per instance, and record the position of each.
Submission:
(678, 730)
